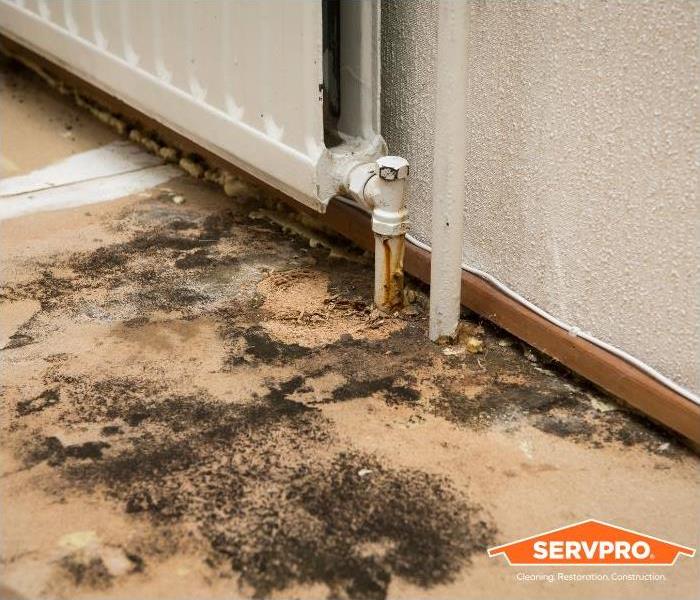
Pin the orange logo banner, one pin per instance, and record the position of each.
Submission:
(591, 543)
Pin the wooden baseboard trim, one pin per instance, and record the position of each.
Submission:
(603, 368)
(607, 370)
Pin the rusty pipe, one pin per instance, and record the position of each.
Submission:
(388, 271)
(381, 188)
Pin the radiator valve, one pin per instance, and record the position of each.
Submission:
(380, 188)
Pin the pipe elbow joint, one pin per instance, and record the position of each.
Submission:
(356, 182)
(386, 192)
(380, 188)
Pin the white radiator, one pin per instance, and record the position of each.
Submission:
(243, 79)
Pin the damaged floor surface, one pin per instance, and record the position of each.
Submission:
(200, 404)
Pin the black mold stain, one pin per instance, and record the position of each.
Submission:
(266, 485)
(354, 525)
(167, 297)
(631, 429)
(500, 402)
(91, 573)
(572, 426)
(114, 258)
(281, 392)
(18, 340)
(141, 263)
(201, 259)
(136, 322)
(393, 393)
(48, 397)
(196, 260)
(218, 225)
(111, 430)
(555, 404)
(47, 289)
(85, 570)
(557, 407)
(259, 344)
(181, 224)
(262, 346)
(159, 241)
(52, 450)
(101, 260)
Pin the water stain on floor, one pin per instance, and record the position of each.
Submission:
(184, 371)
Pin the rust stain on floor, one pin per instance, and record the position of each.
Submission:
(196, 403)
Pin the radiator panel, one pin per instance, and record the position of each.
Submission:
(242, 79)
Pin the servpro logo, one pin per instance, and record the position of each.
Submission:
(591, 543)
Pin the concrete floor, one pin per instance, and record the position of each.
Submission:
(198, 404)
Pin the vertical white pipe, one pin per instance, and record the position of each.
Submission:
(449, 162)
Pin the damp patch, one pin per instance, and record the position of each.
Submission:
(269, 487)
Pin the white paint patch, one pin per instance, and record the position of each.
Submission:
(112, 159)
(526, 447)
(113, 171)
(91, 191)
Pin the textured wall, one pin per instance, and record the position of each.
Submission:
(583, 160)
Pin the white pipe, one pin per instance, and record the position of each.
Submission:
(449, 160)
(381, 188)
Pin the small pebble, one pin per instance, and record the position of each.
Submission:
(474, 345)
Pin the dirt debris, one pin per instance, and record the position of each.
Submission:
(226, 445)
(320, 314)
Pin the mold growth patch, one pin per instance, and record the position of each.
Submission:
(509, 390)
(499, 389)
(48, 289)
(268, 487)
(196, 260)
(500, 402)
(261, 346)
(387, 386)
(353, 524)
(160, 266)
(47, 398)
(253, 343)
(52, 450)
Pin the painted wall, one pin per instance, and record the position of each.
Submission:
(582, 175)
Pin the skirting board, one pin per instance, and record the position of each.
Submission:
(606, 370)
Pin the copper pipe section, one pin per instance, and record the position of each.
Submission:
(388, 271)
